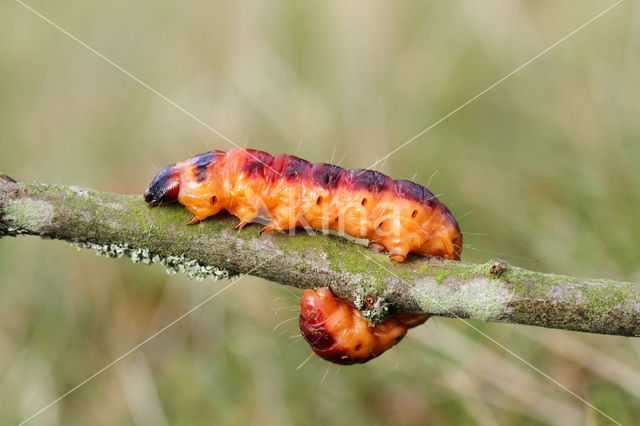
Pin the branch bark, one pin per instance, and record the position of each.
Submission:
(123, 225)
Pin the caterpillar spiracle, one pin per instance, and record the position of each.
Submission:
(397, 215)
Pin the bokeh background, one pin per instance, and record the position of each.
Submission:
(542, 170)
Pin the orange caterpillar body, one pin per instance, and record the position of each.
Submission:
(337, 332)
(398, 215)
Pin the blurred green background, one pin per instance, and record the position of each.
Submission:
(541, 170)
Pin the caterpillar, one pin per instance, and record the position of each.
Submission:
(336, 331)
(397, 215)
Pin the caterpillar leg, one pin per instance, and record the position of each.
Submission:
(193, 220)
(280, 223)
(240, 225)
(245, 215)
(398, 250)
(376, 246)
(271, 226)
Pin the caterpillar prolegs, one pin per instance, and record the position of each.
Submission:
(397, 215)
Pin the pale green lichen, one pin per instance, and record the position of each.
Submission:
(478, 298)
(376, 314)
(174, 264)
(441, 275)
(12, 230)
(599, 299)
(349, 259)
(28, 213)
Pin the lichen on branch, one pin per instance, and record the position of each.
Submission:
(123, 225)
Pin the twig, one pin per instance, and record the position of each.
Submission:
(122, 225)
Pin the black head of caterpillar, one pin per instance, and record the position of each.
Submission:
(164, 188)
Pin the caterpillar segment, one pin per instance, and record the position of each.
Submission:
(336, 331)
(397, 215)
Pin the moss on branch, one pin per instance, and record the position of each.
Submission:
(123, 225)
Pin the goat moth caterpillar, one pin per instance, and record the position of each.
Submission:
(397, 215)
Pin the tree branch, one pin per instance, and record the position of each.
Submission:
(123, 225)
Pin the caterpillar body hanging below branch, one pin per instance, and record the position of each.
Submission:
(397, 215)
(336, 331)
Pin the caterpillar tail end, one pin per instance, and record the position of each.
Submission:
(164, 187)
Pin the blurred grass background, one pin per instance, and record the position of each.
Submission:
(547, 164)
